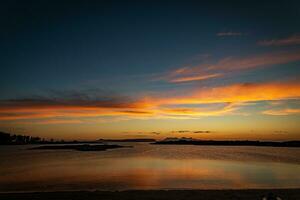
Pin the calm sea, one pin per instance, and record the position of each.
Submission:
(148, 166)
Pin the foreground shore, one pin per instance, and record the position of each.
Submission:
(252, 194)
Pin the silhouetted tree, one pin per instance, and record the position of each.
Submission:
(5, 138)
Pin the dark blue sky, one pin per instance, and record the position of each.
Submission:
(118, 44)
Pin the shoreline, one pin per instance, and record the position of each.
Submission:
(212, 194)
(293, 143)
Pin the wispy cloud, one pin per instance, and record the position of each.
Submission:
(291, 40)
(230, 65)
(229, 33)
(202, 132)
(59, 121)
(195, 78)
(227, 108)
(222, 100)
(181, 131)
(236, 93)
(155, 133)
(288, 111)
(71, 104)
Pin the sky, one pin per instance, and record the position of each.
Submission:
(150, 69)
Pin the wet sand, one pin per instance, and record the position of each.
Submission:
(253, 194)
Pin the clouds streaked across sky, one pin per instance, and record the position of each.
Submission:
(99, 69)
(230, 33)
(291, 40)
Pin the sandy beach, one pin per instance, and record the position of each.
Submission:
(252, 194)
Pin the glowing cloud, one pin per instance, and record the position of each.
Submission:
(196, 112)
(231, 98)
(194, 78)
(291, 40)
(245, 92)
(229, 65)
(282, 112)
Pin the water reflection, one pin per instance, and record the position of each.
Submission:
(71, 170)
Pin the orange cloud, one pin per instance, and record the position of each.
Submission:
(246, 92)
(35, 113)
(199, 112)
(194, 78)
(288, 111)
(49, 108)
(230, 64)
(58, 121)
(291, 40)
(230, 97)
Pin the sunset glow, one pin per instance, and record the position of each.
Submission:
(107, 82)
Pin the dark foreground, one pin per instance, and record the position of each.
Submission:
(284, 194)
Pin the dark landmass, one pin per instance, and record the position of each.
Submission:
(253, 194)
(83, 147)
(13, 139)
(128, 140)
(230, 143)
(7, 138)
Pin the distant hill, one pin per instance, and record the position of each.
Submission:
(229, 143)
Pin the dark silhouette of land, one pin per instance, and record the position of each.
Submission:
(83, 147)
(7, 138)
(229, 143)
(253, 194)
(14, 139)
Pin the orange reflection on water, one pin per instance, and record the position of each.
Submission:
(147, 173)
